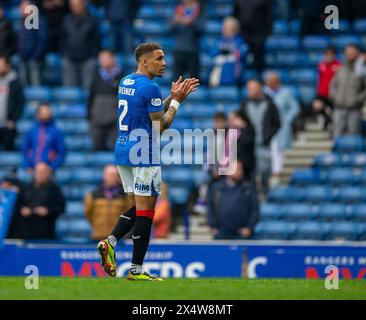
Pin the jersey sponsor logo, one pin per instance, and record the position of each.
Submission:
(128, 82)
(142, 187)
(156, 102)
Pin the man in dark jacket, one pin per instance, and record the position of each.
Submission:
(264, 117)
(32, 47)
(7, 35)
(187, 27)
(233, 206)
(255, 17)
(121, 14)
(103, 101)
(44, 142)
(80, 42)
(245, 143)
(38, 207)
(11, 103)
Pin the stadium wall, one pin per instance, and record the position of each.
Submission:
(251, 259)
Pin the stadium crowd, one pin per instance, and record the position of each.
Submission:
(265, 119)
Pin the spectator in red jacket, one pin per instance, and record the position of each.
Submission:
(326, 70)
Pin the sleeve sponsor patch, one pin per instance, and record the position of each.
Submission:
(156, 102)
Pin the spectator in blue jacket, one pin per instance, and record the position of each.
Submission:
(44, 142)
(233, 206)
(32, 47)
(228, 55)
(80, 43)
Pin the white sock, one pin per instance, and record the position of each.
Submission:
(136, 268)
(112, 240)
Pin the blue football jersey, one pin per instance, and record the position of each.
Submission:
(137, 97)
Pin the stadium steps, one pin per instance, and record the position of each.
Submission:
(308, 143)
(199, 230)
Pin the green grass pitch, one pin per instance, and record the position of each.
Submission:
(178, 289)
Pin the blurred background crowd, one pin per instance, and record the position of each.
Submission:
(270, 69)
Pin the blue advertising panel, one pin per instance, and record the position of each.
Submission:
(165, 260)
(193, 260)
(7, 203)
(305, 261)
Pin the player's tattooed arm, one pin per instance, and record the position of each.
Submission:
(166, 103)
(162, 120)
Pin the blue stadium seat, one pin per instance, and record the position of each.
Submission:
(75, 208)
(348, 143)
(75, 159)
(332, 211)
(361, 231)
(305, 176)
(285, 194)
(344, 27)
(282, 42)
(327, 160)
(213, 27)
(318, 194)
(203, 124)
(343, 230)
(355, 160)
(303, 75)
(309, 230)
(280, 27)
(86, 175)
(24, 125)
(10, 159)
(307, 93)
(181, 124)
(340, 41)
(178, 195)
(69, 94)
(359, 25)
(276, 230)
(181, 176)
(315, 42)
(341, 176)
(352, 194)
(38, 94)
(199, 110)
(53, 60)
(75, 227)
(201, 95)
(100, 158)
(63, 176)
(71, 110)
(358, 212)
(224, 94)
(298, 211)
(75, 143)
(148, 27)
(270, 211)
